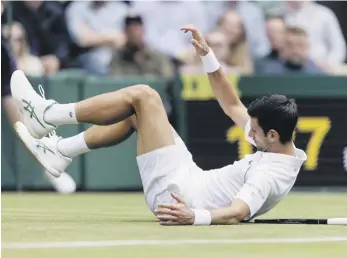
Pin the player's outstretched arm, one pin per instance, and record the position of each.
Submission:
(222, 87)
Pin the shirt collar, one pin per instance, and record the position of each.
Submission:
(297, 161)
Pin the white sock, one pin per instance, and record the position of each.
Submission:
(60, 114)
(73, 146)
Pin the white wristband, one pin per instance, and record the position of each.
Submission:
(210, 62)
(202, 217)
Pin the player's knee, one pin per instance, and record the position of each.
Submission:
(145, 94)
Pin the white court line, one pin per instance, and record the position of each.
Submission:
(43, 245)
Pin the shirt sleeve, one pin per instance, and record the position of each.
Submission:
(255, 192)
(247, 130)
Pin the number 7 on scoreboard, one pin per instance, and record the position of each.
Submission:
(319, 127)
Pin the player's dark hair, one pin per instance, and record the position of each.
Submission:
(275, 112)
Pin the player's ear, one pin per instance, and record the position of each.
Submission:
(273, 135)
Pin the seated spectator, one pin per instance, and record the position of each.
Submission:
(275, 29)
(163, 19)
(96, 27)
(323, 30)
(294, 58)
(28, 63)
(239, 55)
(43, 21)
(136, 57)
(252, 17)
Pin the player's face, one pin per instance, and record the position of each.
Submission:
(258, 135)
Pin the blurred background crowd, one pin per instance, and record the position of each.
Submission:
(143, 38)
(118, 40)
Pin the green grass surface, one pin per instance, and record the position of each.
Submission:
(47, 217)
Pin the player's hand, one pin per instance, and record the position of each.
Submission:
(198, 40)
(175, 214)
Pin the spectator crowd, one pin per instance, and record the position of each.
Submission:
(143, 38)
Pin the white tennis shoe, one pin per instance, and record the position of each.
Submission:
(44, 150)
(32, 105)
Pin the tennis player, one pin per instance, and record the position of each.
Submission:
(176, 189)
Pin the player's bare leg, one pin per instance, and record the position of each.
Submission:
(141, 103)
(99, 136)
(42, 116)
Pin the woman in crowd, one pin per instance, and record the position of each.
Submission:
(239, 55)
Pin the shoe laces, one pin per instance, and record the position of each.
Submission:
(53, 134)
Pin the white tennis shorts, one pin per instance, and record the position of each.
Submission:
(166, 170)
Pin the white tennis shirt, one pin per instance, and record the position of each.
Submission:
(261, 180)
